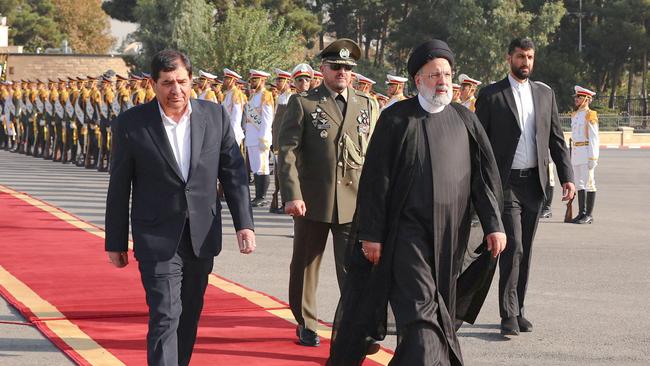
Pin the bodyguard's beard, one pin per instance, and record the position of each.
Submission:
(432, 96)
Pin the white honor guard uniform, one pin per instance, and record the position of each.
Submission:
(233, 102)
(364, 80)
(207, 93)
(466, 81)
(399, 96)
(283, 99)
(585, 143)
(258, 114)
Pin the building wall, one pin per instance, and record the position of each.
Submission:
(50, 66)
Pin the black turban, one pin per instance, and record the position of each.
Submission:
(428, 51)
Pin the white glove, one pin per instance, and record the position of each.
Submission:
(592, 164)
(264, 144)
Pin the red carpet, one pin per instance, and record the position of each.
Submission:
(55, 271)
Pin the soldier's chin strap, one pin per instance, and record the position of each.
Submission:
(584, 104)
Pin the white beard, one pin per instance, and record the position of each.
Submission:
(437, 100)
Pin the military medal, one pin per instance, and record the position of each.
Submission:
(323, 134)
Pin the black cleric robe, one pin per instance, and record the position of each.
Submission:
(461, 273)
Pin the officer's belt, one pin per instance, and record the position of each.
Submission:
(581, 143)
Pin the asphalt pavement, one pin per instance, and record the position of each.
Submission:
(588, 296)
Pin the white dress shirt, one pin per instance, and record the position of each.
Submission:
(178, 134)
(526, 153)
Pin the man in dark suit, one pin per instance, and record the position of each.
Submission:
(521, 119)
(168, 155)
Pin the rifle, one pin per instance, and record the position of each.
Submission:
(568, 215)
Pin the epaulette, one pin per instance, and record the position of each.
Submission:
(592, 117)
(362, 94)
(541, 83)
(267, 98)
(303, 94)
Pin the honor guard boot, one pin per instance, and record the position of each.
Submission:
(581, 206)
(588, 218)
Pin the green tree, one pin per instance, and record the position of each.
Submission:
(123, 10)
(249, 39)
(31, 23)
(479, 33)
(192, 30)
(85, 25)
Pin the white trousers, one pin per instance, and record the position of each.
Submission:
(584, 177)
(259, 160)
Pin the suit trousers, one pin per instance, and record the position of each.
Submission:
(174, 291)
(523, 200)
(309, 242)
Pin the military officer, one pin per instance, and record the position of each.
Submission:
(233, 102)
(364, 84)
(382, 100)
(93, 135)
(123, 91)
(41, 131)
(149, 93)
(284, 88)
(316, 80)
(9, 114)
(50, 121)
(258, 114)
(584, 152)
(109, 109)
(395, 89)
(138, 92)
(322, 142)
(204, 90)
(32, 125)
(60, 120)
(76, 114)
(18, 103)
(455, 97)
(282, 82)
(87, 112)
(217, 88)
(468, 88)
(4, 94)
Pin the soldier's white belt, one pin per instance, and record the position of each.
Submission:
(581, 143)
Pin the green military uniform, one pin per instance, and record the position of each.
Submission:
(321, 153)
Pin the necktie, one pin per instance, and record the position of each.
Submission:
(340, 101)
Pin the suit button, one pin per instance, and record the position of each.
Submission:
(340, 144)
(338, 182)
(187, 190)
(340, 164)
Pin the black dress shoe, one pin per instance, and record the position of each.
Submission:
(509, 326)
(307, 337)
(524, 324)
(546, 213)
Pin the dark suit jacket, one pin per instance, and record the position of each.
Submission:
(497, 111)
(143, 166)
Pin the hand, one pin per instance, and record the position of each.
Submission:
(246, 241)
(119, 259)
(264, 144)
(371, 250)
(496, 243)
(568, 191)
(592, 164)
(295, 208)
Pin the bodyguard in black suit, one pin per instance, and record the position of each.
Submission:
(168, 155)
(521, 119)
